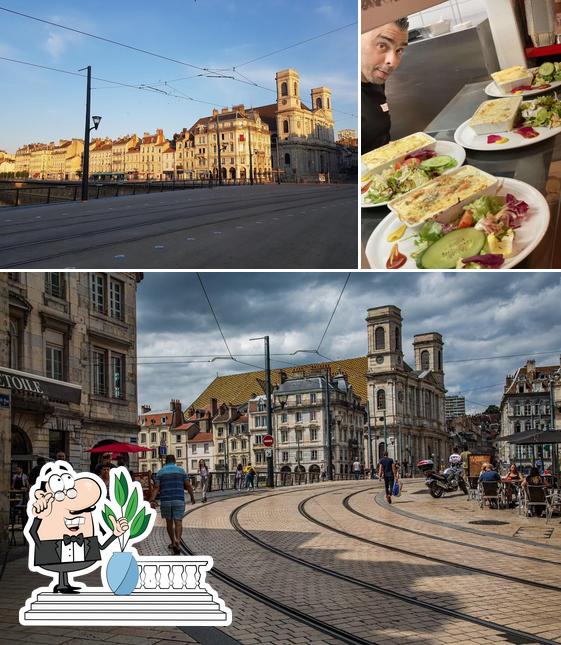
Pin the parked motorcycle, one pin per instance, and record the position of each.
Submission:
(447, 482)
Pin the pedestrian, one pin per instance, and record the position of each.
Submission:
(387, 471)
(171, 484)
(203, 474)
(105, 459)
(250, 476)
(239, 477)
(20, 480)
(356, 469)
(41, 461)
(104, 474)
(122, 462)
(466, 452)
(405, 466)
(323, 475)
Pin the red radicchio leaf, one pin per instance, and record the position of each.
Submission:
(493, 138)
(422, 155)
(528, 133)
(489, 260)
(517, 205)
(448, 228)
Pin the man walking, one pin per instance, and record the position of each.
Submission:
(387, 470)
(356, 468)
(171, 482)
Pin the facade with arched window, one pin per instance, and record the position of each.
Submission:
(306, 133)
(407, 401)
(67, 367)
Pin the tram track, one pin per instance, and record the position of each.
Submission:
(515, 634)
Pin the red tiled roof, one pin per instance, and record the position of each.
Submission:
(202, 437)
(157, 416)
(185, 426)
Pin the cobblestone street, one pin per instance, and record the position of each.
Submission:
(334, 562)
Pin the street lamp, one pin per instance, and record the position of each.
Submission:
(96, 121)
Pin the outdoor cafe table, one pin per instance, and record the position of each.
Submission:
(538, 165)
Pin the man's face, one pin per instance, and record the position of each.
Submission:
(71, 510)
(381, 52)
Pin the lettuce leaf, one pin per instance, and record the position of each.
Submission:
(486, 204)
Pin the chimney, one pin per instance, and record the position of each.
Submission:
(225, 110)
(146, 408)
(214, 112)
(214, 407)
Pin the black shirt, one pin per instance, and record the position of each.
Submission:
(376, 122)
(387, 466)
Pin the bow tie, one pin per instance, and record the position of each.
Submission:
(67, 539)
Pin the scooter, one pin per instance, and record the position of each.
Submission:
(447, 482)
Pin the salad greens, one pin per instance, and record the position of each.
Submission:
(496, 216)
(547, 73)
(414, 171)
(544, 111)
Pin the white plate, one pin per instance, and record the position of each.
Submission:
(493, 90)
(466, 137)
(527, 237)
(442, 148)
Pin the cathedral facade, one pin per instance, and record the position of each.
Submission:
(303, 142)
(406, 404)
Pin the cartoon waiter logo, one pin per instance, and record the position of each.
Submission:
(76, 525)
(62, 528)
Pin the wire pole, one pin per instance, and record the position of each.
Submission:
(328, 428)
(250, 152)
(86, 156)
(270, 464)
(219, 151)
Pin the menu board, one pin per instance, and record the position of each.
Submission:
(475, 462)
(380, 12)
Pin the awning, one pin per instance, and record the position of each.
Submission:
(25, 383)
(533, 437)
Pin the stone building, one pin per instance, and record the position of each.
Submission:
(408, 402)
(65, 161)
(454, 406)
(68, 375)
(151, 151)
(303, 142)
(531, 401)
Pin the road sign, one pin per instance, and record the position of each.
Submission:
(268, 440)
(269, 452)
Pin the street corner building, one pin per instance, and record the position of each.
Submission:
(68, 375)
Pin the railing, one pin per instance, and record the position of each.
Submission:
(162, 573)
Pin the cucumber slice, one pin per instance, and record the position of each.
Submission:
(546, 69)
(445, 253)
(438, 162)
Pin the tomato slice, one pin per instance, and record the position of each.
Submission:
(366, 187)
(396, 259)
(467, 220)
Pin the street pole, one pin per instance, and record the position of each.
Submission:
(278, 159)
(328, 428)
(369, 445)
(86, 157)
(250, 154)
(219, 151)
(385, 434)
(270, 464)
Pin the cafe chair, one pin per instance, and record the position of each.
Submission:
(535, 497)
(490, 492)
(473, 488)
(553, 504)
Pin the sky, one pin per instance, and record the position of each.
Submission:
(480, 315)
(41, 105)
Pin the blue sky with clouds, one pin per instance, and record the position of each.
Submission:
(479, 314)
(39, 105)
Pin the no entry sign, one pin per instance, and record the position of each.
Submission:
(268, 440)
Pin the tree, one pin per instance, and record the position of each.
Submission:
(492, 409)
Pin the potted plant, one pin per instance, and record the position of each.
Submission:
(121, 570)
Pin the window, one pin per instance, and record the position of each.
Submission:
(298, 435)
(284, 436)
(299, 455)
(425, 360)
(153, 438)
(234, 445)
(285, 129)
(221, 431)
(53, 362)
(261, 405)
(258, 439)
(287, 155)
(154, 453)
(142, 437)
(116, 299)
(284, 417)
(284, 89)
(295, 89)
(298, 399)
(178, 452)
(259, 457)
(285, 456)
(260, 421)
(313, 397)
(319, 103)
(206, 448)
(527, 408)
(99, 372)
(194, 449)
(220, 446)
(381, 400)
(380, 338)
(312, 415)
(15, 344)
(298, 417)
(193, 464)
(177, 438)
(98, 292)
(397, 339)
(313, 435)
(54, 284)
(117, 375)
(164, 420)
(163, 438)
(244, 444)
(314, 455)
(517, 409)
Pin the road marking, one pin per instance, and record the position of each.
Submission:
(217, 232)
(275, 219)
(259, 222)
(159, 246)
(120, 257)
(190, 239)
(239, 227)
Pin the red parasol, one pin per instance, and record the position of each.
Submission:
(118, 448)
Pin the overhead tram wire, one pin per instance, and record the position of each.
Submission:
(102, 38)
(334, 310)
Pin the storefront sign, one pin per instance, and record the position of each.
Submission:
(380, 12)
(25, 383)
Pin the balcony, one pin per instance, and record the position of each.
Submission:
(170, 591)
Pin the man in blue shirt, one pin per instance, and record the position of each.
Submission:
(387, 470)
(489, 475)
(171, 484)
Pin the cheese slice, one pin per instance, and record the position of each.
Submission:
(395, 150)
(498, 115)
(515, 73)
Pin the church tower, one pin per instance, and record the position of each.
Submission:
(385, 352)
(288, 90)
(428, 354)
(321, 100)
